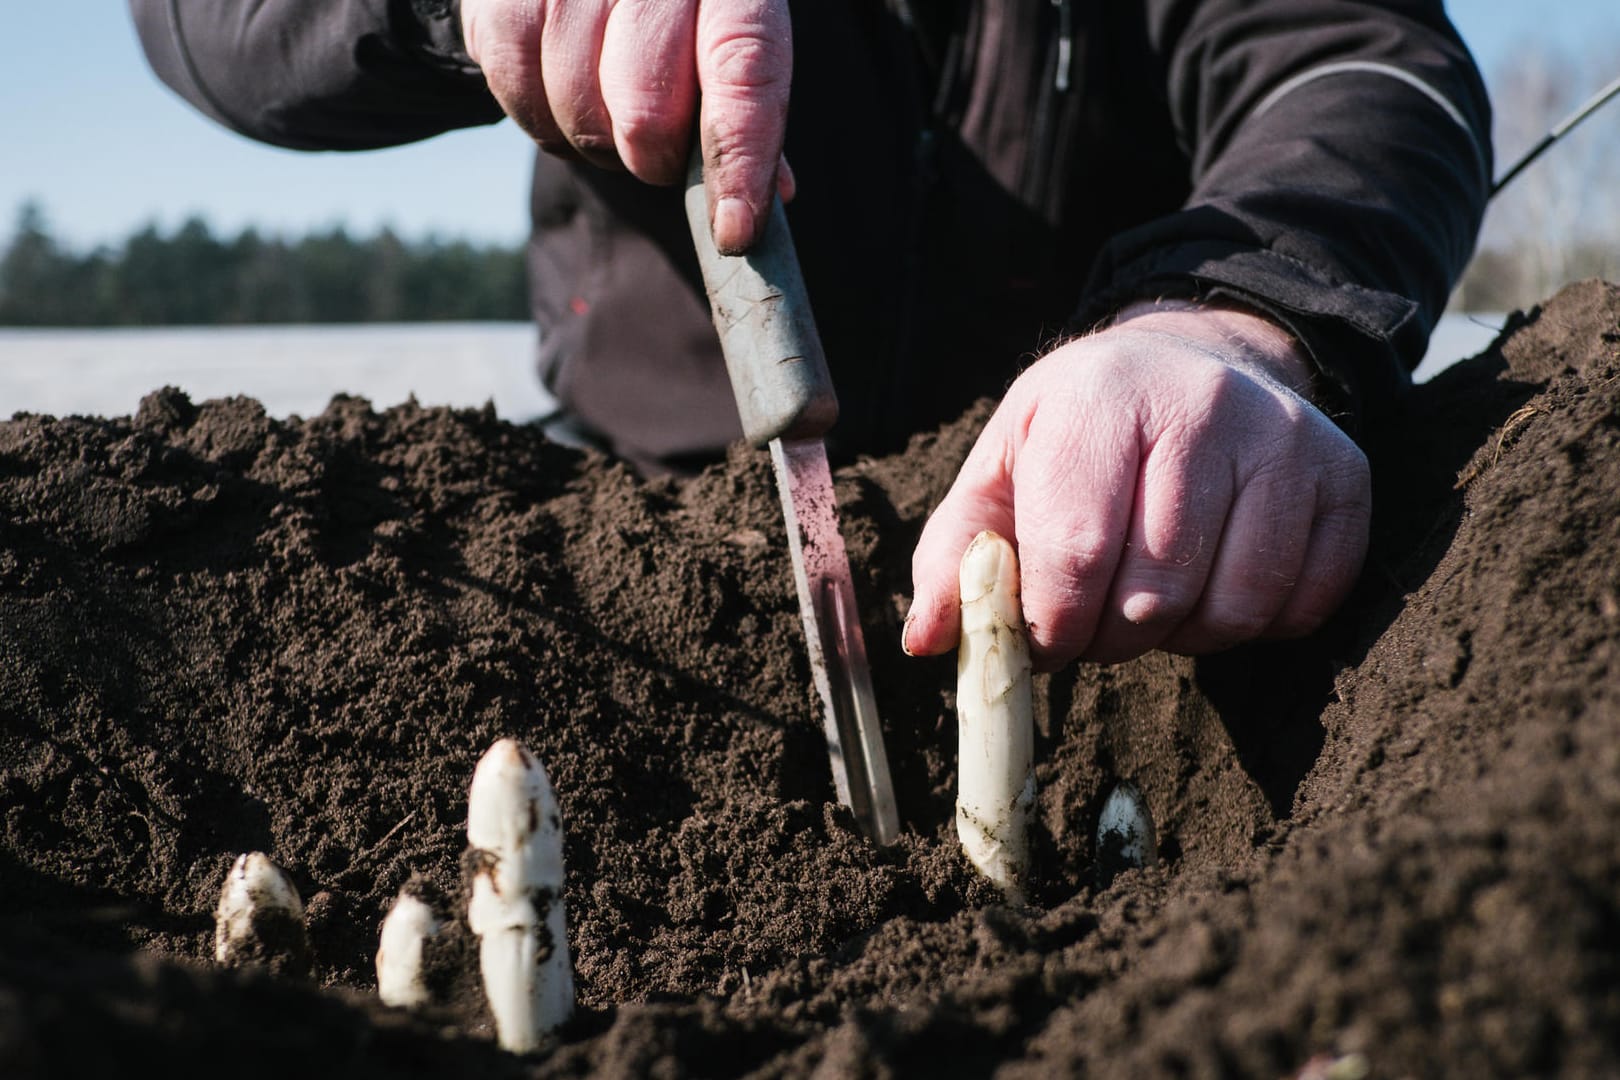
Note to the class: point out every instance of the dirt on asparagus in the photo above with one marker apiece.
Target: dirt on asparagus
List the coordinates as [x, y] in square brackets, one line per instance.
[1391, 846]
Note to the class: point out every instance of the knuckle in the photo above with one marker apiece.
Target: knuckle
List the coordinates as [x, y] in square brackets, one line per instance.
[1341, 540]
[735, 155]
[557, 146]
[1077, 568]
[501, 34]
[592, 144]
[1349, 480]
[1300, 619]
[749, 60]
[1157, 601]
[1056, 641]
[1061, 597]
[1236, 619]
[648, 127]
[1113, 650]
[597, 149]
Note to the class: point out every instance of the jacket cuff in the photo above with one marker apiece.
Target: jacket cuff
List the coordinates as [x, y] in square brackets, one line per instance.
[438, 35]
[1361, 342]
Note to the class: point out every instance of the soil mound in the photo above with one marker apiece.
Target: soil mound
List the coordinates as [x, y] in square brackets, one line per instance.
[227, 633]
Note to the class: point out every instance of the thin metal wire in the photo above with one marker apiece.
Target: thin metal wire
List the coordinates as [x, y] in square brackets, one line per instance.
[1560, 129]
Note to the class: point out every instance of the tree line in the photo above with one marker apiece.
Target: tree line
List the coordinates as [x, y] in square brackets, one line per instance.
[191, 276]
[1559, 221]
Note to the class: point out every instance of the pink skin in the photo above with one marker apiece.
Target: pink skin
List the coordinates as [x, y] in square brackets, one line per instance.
[621, 84]
[1167, 486]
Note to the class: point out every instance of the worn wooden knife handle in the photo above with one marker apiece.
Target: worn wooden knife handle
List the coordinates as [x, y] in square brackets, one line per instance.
[773, 353]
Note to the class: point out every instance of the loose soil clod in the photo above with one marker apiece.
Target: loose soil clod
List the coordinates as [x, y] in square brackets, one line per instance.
[1391, 844]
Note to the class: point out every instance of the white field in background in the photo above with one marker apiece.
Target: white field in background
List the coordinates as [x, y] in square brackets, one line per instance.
[295, 370]
[292, 370]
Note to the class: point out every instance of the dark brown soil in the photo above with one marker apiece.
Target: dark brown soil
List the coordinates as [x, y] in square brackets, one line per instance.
[222, 633]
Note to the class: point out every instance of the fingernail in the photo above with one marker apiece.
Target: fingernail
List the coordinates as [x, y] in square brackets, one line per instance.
[733, 225]
[905, 634]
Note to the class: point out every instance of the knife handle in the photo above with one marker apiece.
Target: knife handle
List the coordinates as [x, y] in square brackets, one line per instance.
[773, 353]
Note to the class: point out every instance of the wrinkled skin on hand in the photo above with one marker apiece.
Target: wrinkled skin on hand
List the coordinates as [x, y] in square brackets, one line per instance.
[1168, 486]
[619, 84]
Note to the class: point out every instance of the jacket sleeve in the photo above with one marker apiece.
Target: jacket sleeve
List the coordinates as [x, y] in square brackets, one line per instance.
[318, 74]
[1341, 163]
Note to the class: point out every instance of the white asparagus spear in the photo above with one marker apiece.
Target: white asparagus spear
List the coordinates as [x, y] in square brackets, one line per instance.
[409, 925]
[515, 861]
[260, 919]
[1125, 834]
[995, 718]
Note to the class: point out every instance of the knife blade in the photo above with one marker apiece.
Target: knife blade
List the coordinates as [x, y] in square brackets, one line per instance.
[786, 400]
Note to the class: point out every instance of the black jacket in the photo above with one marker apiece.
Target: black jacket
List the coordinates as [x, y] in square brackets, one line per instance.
[973, 182]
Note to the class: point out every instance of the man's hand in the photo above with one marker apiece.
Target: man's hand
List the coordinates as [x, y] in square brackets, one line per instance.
[1168, 487]
[617, 82]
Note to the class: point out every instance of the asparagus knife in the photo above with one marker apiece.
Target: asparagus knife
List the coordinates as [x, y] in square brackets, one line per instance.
[786, 400]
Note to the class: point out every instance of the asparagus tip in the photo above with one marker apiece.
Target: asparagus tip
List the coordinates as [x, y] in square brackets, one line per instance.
[260, 918]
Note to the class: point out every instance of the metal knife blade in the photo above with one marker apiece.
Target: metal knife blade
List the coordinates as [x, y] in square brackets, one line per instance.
[785, 399]
[832, 634]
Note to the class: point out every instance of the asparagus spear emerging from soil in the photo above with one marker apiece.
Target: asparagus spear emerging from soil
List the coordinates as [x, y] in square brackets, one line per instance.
[1126, 838]
[515, 863]
[260, 919]
[995, 718]
[410, 924]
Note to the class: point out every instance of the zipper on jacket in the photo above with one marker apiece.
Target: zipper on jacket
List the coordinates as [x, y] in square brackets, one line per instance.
[1065, 45]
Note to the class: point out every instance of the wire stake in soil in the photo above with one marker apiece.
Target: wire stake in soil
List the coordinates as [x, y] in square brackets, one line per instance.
[515, 863]
[995, 717]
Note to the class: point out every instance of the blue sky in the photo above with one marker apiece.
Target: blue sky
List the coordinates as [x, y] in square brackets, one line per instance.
[85, 128]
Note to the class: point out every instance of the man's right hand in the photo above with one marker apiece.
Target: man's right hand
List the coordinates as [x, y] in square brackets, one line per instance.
[618, 83]
[1168, 486]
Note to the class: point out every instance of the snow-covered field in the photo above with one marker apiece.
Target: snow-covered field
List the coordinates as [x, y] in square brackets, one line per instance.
[295, 370]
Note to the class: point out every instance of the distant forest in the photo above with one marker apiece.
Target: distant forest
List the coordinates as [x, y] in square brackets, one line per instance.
[190, 276]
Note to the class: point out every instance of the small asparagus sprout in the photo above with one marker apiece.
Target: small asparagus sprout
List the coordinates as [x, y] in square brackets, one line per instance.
[260, 919]
[407, 929]
[515, 861]
[1126, 839]
[995, 718]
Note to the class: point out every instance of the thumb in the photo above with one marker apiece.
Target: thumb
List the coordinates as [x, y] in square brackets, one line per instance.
[980, 499]
[745, 68]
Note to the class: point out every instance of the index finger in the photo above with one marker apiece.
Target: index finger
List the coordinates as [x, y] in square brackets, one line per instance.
[745, 68]
[1057, 476]
[981, 499]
